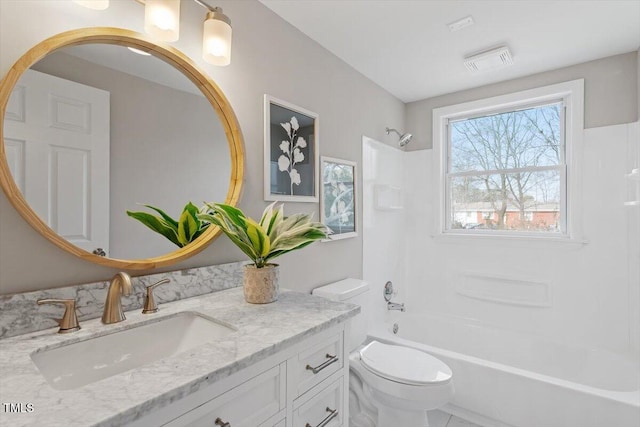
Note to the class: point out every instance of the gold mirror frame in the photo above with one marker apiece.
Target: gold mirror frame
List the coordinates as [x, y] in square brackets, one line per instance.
[210, 90]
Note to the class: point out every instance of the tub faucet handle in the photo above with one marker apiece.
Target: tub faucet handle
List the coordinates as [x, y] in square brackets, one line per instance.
[395, 306]
[150, 305]
[388, 291]
[69, 321]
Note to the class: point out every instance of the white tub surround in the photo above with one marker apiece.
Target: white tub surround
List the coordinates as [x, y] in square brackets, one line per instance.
[537, 333]
[21, 314]
[157, 389]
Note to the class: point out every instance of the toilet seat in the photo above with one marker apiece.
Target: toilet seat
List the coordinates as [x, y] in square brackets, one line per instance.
[403, 364]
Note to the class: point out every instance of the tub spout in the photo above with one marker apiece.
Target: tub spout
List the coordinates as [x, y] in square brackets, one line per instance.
[395, 306]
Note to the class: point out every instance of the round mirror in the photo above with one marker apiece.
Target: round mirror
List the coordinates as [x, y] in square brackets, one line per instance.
[100, 122]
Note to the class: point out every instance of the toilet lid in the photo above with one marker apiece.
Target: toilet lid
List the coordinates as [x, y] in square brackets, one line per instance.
[403, 364]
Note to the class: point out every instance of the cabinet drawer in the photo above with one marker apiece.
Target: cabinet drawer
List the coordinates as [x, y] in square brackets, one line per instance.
[246, 405]
[317, 363]
[322, 409]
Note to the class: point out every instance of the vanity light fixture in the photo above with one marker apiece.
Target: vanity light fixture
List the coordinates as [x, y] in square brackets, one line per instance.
[162, 21]
[216, 37]
[93, 4]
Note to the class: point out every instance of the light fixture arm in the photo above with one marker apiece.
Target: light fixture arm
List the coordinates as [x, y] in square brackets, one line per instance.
[216, 13]
[200, 2]
[209, 8]
[213, 12]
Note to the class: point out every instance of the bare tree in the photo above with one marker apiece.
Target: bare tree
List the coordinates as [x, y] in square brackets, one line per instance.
[546, 121]
[502, 149]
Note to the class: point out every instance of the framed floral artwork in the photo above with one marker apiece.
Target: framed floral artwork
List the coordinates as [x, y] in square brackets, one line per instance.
[290, 152]
[338, 197]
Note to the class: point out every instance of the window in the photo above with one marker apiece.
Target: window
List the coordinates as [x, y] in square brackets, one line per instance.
[507, 164]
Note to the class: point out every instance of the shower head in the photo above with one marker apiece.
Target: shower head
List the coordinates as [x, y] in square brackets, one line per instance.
[404, 137]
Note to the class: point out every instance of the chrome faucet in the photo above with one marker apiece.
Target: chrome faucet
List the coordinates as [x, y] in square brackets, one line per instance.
[395, 306]
[388, 294]
[120, 284]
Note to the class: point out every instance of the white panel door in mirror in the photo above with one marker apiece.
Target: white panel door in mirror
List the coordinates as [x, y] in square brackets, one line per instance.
[62, 162]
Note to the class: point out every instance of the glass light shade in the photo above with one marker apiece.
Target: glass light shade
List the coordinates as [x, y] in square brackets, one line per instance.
[162, 19]
[93, 4]
[216, 41]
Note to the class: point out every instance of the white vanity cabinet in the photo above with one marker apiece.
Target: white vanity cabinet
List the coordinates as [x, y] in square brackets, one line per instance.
[304, 385]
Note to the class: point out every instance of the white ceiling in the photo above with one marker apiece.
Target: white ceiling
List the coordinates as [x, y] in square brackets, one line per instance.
[406, 46]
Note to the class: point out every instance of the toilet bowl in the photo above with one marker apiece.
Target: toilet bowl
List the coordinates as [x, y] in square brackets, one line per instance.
[389, 385]
[401, 382]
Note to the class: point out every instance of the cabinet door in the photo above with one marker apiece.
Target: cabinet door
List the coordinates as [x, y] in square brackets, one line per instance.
[323, 408]
[246, 405]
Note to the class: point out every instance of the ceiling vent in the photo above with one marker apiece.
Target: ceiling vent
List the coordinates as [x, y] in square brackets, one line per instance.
[488, 60]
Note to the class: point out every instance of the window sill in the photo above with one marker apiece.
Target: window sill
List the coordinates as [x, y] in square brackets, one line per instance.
[502, 239]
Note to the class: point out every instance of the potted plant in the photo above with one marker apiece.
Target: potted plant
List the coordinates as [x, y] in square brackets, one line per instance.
[262, 241]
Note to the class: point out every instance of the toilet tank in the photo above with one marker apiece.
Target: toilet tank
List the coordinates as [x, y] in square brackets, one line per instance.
[354, 291]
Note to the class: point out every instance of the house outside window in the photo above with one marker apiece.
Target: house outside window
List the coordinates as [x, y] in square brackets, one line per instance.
[508, 165]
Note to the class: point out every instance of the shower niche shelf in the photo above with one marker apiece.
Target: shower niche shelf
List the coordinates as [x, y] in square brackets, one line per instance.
[514, 291]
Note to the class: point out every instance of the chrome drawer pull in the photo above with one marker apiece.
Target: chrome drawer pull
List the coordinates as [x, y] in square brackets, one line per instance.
[332, 415]
[332, 359]
[221, 423]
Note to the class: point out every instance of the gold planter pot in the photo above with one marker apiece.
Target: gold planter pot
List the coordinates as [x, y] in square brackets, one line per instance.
[261, 284]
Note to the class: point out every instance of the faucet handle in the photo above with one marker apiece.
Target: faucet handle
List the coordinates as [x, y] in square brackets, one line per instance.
[150, 305]
[395, 306]
[69, 321]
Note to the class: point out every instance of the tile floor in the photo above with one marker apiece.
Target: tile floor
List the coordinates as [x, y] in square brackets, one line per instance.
[442, 419]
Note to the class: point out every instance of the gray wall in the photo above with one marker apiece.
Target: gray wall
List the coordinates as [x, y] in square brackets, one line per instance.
[268, 56]
[611, 95]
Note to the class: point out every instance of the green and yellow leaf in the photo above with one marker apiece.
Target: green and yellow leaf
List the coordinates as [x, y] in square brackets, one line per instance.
[158, 225]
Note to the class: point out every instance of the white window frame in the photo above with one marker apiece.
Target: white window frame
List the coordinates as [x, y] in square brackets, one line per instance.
[572, 94]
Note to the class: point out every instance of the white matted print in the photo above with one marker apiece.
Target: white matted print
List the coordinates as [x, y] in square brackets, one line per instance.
[290, 152]
[338, 197]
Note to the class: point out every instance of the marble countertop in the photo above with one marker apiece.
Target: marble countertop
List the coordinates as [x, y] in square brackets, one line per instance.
[262, 330]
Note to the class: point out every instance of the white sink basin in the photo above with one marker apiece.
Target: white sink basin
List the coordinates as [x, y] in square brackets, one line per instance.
[85, 362]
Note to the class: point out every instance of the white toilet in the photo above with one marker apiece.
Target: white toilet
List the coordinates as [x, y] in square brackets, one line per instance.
[389, 385]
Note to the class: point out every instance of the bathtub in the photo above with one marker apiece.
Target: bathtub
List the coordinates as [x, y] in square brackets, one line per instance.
[505, 379]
